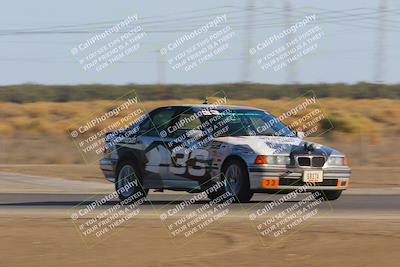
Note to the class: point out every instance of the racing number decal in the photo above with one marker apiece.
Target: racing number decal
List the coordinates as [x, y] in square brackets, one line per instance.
[179, 164]
[199, 157]
[156, 157]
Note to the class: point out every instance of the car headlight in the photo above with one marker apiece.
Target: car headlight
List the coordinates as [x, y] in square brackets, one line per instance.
[337, 161]
[273, 160]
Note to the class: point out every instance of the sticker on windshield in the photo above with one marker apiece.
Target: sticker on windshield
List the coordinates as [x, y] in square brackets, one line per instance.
[210, 112]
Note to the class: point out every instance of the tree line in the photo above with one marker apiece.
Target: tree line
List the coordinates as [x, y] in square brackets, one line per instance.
[26, 93]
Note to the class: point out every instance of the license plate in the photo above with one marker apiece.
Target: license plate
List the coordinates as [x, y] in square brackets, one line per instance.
[313, 176]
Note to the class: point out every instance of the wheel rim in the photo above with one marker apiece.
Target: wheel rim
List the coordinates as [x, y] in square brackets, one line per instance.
[232, 179]
[125, 177]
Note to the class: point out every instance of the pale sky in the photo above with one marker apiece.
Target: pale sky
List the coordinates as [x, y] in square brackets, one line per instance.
[346, 52]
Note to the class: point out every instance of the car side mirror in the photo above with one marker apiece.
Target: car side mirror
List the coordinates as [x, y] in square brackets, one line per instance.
[300, 135]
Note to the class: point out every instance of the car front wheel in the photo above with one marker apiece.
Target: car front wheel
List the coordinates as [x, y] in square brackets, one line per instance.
[236, 180]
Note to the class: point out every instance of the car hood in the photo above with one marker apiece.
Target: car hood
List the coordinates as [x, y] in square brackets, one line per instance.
[274, 145]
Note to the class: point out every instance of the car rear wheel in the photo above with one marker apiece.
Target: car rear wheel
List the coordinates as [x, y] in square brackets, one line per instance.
[236, 180]
[128, 182]
[331, 194]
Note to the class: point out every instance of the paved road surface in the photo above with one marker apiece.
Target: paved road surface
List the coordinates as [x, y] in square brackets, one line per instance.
[54, 197]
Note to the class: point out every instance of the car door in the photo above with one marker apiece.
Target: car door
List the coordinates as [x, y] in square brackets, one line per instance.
[157, 157]
[190, 162]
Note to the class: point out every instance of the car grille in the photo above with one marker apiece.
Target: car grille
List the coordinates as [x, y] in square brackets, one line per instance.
[308, 161]
[299, 182]
[304, 161]
[318, 161]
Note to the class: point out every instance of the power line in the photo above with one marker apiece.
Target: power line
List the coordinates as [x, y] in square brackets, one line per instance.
[342, 19]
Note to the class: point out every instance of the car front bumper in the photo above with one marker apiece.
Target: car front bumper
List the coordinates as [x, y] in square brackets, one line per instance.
[263, 177]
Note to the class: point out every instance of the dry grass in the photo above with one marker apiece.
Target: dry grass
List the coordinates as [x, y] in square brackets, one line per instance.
[38, 132]
[349, 116]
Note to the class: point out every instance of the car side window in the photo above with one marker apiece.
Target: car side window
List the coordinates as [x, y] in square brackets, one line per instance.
[157, 121]
[187, 121]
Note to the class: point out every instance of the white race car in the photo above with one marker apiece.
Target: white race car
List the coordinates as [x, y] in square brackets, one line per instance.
[193, 147]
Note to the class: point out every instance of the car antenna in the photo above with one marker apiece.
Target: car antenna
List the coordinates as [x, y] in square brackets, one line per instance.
[205, 101]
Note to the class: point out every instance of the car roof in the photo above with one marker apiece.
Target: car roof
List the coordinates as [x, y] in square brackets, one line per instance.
[210, 106]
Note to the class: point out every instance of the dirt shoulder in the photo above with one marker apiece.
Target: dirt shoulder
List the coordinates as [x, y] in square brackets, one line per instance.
[80, 172]
[325, 242]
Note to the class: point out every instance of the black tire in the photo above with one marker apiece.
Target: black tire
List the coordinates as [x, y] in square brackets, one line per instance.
[241, 189]
[330, 195]
[133, 182]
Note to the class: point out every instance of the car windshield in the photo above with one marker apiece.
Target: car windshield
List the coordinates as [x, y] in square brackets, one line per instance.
[246, 123]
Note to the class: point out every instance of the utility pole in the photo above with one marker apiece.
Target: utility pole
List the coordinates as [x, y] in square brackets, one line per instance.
[160, 68]
[246, 68]
[380, 44]
[161, 75]
[291, 69]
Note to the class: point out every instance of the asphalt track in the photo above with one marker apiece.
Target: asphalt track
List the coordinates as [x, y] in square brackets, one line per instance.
[353, 202]
[36, 216]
